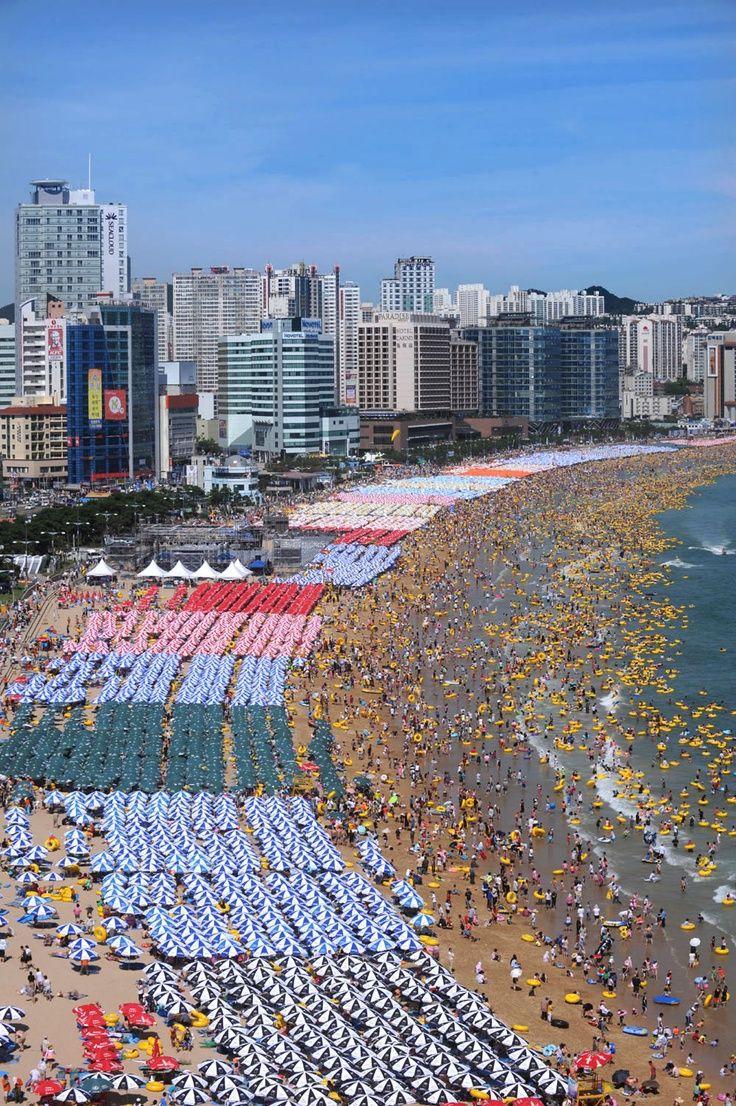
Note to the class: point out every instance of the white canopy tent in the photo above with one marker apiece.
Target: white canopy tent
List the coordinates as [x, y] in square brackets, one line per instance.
[151, 572]
[101, 571]
[235, 571]
[179, 572]
[206, 572]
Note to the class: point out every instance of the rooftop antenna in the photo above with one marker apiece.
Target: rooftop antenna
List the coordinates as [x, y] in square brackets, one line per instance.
[89, 172]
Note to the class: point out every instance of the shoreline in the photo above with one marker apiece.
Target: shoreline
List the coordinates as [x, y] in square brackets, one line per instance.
[562, 827]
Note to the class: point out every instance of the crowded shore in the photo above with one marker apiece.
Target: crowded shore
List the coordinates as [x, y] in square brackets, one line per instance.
[427, 721]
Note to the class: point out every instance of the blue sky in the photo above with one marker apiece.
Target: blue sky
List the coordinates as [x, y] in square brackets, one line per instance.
[552, 146]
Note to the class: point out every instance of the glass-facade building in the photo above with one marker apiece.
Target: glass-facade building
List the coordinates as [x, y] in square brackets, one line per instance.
[120, 344]
[274, 385]
[590, 371]
[547, 374]
[520, 369]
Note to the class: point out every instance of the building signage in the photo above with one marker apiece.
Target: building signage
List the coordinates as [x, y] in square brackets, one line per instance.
[55, 340]
[94, 398]
[116, 404]
[113, 247]
[311, 326]
[712, 361]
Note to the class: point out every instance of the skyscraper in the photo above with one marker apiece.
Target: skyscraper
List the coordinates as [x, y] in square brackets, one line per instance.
[275, 385]
[590, 370]
[412, 286]
[652, 344]
[472, 303]
[520, 369]
[404, 363]
[112, 395]
[350, 316]
[209, 304]
[157, 296]
[41, 353]
[70, 246]
[7, 362]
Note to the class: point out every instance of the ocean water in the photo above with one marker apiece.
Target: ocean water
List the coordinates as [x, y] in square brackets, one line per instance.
[702, 579]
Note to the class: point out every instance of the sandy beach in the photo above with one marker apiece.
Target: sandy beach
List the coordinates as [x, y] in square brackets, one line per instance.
[473, 692]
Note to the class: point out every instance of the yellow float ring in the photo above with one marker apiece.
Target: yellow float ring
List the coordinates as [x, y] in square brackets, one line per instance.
[572, 998]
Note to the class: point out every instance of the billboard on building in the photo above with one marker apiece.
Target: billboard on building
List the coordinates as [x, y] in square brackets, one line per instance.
[113, 247]
[116, 404]
[94, 398]
[712, 361]
[55, 340]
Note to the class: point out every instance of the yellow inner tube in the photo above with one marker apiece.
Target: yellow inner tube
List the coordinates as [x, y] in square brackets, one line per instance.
[573, 998]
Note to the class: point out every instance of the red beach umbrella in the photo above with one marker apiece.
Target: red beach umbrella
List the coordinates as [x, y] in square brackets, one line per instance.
[591, 1061]
[47, 1088]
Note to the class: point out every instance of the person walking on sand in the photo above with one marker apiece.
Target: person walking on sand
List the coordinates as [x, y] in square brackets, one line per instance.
[515, 973]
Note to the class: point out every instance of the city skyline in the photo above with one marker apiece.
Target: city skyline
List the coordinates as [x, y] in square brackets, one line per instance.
[512, 147]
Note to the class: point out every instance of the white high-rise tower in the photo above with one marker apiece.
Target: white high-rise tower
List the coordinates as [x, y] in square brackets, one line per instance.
[69, 246]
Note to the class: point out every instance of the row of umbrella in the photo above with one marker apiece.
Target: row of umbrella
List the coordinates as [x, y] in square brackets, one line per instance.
[377, 1029]
[351, 566]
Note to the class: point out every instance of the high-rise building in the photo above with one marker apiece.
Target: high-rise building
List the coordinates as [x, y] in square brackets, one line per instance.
[7, 362]
[695, 355]
[472, 303]
[719, 387]
[411, 288]
[70, 246]
[464, 376]
[404, 362]
[209, 304]
[569, 303]
[520, 369]
[350, 317]
[590, 370]
[652, 344]
[157, 296]
[297, 292]
[112, 395]
[41, 353]
[276, 386]
[546, 307]
[177, 417]
[442, 301]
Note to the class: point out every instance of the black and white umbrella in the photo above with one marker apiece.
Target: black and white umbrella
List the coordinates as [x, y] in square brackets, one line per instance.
[269, 1090]
[313, 1096]
[128, 1082]
[11, 1014]
[72, 1094]
[189, 1096]
[214, 1069]
[188, 1079]
[233, 1096]
[224, 1084]
[397, 1097]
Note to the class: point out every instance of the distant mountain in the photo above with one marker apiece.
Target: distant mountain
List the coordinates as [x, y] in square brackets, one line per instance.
[615, 305]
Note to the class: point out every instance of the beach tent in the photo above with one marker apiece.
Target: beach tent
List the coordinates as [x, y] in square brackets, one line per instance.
[153, 571]
[101, 571]
[235, 571]
[206, 572]
[179, 572]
